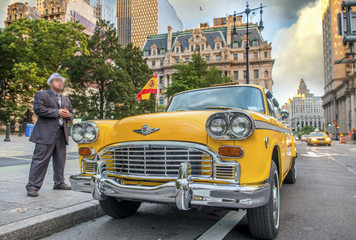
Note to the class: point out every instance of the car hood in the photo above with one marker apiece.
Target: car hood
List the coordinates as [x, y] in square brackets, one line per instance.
[173, 126]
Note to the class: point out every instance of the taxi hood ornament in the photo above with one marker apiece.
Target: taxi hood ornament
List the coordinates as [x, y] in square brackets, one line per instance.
[145, 130]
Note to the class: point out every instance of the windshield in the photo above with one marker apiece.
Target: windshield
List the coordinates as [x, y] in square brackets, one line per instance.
[247, 98]
[317, 134]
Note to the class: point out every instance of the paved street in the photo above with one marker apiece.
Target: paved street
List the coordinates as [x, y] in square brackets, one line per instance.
[321, 205]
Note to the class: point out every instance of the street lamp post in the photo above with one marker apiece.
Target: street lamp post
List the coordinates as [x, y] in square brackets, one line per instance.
[248, 11]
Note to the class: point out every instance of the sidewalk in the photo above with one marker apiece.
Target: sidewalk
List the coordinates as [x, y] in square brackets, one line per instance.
[22, 217]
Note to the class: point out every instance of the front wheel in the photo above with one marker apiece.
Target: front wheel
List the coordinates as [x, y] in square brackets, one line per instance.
[119, 209]
[263, 221]
[292, 174]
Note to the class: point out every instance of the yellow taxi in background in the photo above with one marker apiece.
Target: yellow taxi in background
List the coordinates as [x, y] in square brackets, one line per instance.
[304, 138]
[319, 138]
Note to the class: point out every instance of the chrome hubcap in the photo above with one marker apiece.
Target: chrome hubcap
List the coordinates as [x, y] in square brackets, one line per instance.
[275, 200]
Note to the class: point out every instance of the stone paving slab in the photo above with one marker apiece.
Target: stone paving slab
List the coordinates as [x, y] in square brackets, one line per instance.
[54, 207]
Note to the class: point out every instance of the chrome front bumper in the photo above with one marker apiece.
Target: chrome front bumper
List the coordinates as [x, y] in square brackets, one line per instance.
[183, 191]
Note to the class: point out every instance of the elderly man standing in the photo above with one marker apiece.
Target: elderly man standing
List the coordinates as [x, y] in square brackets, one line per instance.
[50, 134]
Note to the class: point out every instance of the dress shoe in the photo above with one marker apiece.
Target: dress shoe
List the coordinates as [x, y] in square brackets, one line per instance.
[63, 186]
[32, 193]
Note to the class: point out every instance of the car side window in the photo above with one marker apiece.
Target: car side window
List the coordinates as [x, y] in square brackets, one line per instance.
[271, 108]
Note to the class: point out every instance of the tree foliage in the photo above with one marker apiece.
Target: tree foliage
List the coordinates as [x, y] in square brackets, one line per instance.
[34, 49]
[194, 74]
[106, 81]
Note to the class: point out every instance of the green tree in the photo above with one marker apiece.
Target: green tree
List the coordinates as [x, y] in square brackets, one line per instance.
[39, 47]
[106, 81]
[134, 76]
[306, 130]
[194, 74]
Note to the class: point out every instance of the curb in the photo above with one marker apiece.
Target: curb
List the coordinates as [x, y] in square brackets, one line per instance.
[49, 223]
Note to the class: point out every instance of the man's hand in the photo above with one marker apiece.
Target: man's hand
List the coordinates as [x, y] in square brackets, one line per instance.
[64, 113]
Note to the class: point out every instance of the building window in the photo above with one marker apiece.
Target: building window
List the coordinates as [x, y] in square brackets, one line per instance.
[15, 16]
[163, 51]
[154, 51]
[236, 75]
[245, 74]
[192, 48]
[245, 55]
[187, 59]
[161, 80]
[255, 43]
[161, 62]
[161, 101]
[207, 58]
[197, 48]
[256, 73]
[177, 60]
[167, 80]
[202, 47]
[153, 63]
[266, 74]
[20, 15]
[266, 54]
[235, 44]
[235, 56]
[58, 9]
[255, 55]
[218, 57]
[177, 49]
[46, 11]
[218, 46]
[52, 10]
[146, 53]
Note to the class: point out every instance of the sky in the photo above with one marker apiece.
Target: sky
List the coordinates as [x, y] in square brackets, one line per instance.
[293, 26]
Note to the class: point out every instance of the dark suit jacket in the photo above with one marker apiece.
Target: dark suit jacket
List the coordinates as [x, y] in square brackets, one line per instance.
[46, 107]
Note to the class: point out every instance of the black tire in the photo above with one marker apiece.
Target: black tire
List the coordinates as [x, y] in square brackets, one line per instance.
[261, 220]
[119, 209]
[292, 175]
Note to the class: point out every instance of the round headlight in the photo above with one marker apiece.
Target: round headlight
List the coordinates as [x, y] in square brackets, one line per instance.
[77, 132]
[241, 126]
[90, 133]
[218, 126]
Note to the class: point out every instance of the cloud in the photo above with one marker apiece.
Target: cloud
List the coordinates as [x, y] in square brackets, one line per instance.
[298, 51]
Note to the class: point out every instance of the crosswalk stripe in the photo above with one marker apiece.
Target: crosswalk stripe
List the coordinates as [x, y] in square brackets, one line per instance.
[223, 226]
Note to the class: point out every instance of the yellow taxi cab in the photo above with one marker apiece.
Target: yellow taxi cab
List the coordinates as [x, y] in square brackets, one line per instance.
[319, 138]
[304, 138]
[224, 146]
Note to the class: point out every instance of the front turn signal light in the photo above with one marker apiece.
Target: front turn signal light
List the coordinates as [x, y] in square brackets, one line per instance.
[231, 151]
[86, 151]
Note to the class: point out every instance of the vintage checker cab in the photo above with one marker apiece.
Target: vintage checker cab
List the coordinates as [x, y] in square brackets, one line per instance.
[224, 146]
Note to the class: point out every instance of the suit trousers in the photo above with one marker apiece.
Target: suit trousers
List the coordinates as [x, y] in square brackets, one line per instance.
[40, 160]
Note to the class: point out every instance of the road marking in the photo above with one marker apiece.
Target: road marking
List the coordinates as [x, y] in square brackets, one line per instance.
[223, 226]
[343, 165]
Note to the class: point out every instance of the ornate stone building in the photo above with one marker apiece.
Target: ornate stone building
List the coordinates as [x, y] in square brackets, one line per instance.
[305, 109]
[339, 101]
[219, 48]
[18, 11]
[67, 11]
[137, 19]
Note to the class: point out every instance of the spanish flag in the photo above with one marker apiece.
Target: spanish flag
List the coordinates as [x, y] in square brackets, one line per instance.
[151, 87]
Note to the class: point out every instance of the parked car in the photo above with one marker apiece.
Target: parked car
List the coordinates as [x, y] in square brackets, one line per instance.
[221, 146]
[319, 138]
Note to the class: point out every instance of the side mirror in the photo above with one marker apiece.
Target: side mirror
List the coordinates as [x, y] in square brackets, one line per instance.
[284, 114]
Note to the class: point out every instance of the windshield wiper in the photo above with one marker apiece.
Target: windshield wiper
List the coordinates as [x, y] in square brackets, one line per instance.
[222, 107]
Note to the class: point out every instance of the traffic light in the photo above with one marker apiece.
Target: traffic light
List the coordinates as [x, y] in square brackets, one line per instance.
[329, 124]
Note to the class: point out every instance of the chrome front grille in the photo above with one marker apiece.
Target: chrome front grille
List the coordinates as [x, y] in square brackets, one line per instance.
[156, 160]
[88, 166]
